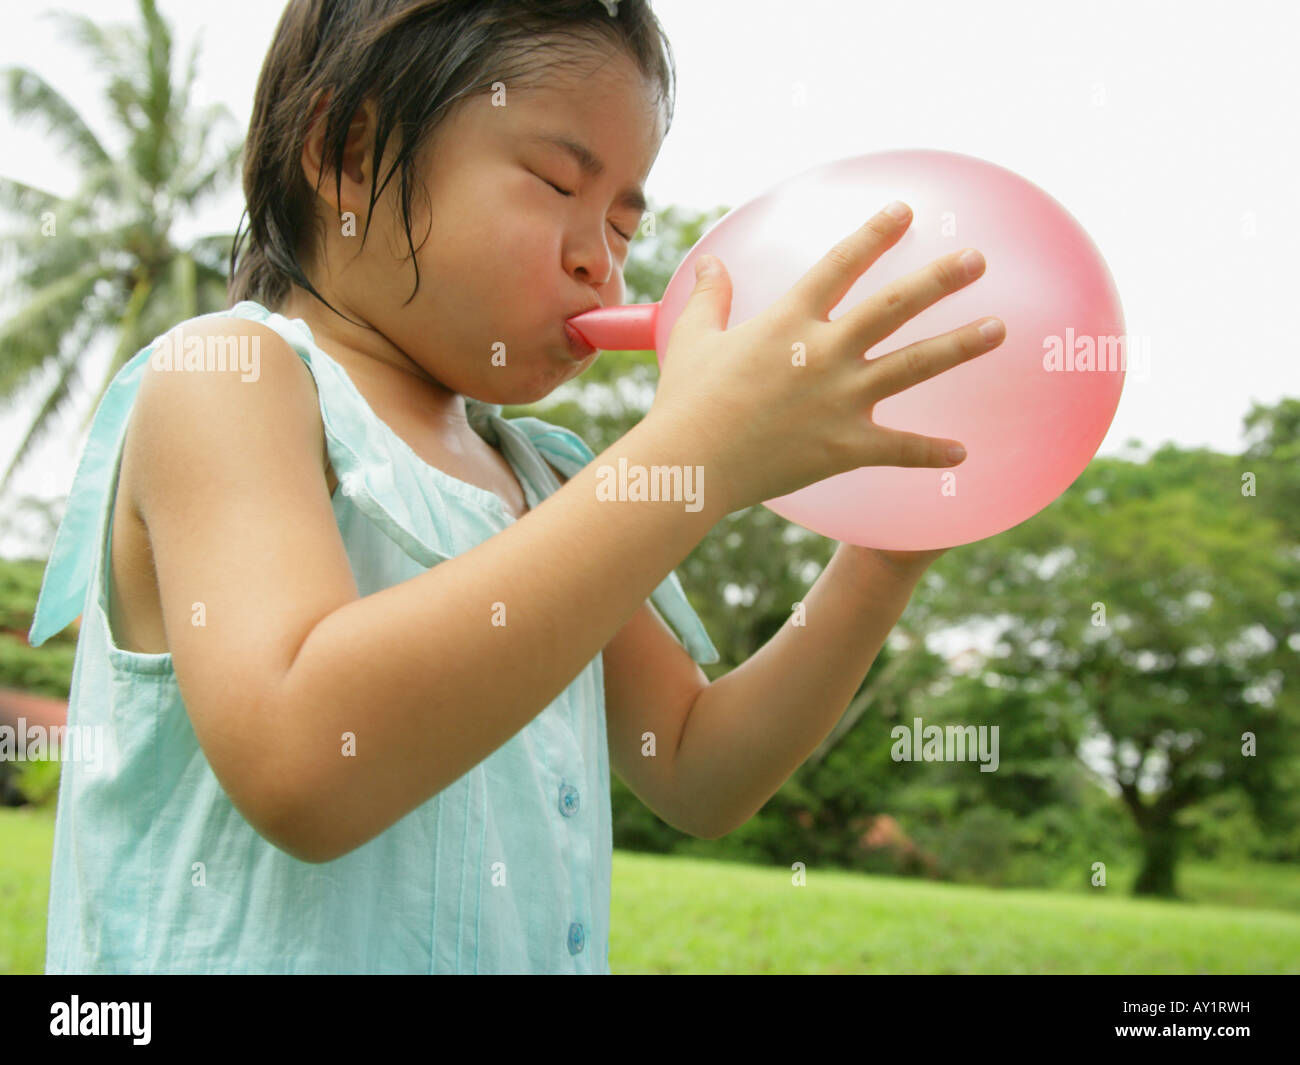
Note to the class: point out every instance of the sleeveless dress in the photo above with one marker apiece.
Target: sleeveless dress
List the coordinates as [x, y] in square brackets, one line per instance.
[155, 871]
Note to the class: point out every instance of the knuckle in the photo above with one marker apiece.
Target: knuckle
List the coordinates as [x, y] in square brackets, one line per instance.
[949, 272]
[880, 226]
[918, 451]
[892, 297]
[840, 256]
[913, 361]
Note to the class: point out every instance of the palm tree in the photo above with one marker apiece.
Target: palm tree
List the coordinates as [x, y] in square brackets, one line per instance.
[103, 259]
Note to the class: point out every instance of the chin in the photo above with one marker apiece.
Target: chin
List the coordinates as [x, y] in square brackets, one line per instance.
[536, 387]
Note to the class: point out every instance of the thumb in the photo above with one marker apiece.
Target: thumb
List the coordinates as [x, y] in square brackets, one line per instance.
[709, 305]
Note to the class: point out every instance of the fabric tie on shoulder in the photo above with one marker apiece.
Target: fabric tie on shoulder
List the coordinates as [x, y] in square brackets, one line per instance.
[72, 561]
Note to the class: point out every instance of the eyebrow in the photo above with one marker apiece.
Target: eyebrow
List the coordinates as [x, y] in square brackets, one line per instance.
[592, 165]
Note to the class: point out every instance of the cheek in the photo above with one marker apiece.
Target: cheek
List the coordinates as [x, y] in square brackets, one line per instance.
[523, 233]
[614, 294]
[485, 223]
[477, 254]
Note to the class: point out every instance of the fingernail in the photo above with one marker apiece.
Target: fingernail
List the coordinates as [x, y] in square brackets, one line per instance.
[972, 260]
[898, 209]
[956, 453]
[703, 266]
[991, 330]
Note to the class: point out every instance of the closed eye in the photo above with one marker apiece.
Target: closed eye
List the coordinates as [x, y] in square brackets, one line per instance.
[566, 192]
[562, 192]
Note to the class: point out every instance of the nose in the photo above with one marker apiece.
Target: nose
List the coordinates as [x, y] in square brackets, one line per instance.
[588, 258]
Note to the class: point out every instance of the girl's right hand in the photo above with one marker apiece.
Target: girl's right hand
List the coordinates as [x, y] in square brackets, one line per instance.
[770, 423]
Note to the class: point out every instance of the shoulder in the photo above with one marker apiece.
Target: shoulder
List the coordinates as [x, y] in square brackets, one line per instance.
[222, 355]
[225, 383]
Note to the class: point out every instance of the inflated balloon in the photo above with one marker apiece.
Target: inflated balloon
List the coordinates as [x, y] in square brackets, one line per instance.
[1031, 413]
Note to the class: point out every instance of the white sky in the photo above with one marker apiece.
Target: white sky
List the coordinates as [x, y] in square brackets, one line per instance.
[1167, 129]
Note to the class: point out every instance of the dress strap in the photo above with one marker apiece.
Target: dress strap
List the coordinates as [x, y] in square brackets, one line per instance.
[66, 583]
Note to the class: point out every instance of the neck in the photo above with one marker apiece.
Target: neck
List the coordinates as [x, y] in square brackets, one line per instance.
[370, 358]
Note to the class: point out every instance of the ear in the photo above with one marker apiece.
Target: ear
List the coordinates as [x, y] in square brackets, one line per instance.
[354, 192]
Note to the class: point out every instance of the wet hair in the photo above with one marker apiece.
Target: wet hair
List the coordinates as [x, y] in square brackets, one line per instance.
[417, 59]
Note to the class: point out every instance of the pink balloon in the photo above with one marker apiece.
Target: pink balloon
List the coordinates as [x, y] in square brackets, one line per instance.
[1031, 413]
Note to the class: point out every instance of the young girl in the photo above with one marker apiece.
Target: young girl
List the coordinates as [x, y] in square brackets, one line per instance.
[361, 652]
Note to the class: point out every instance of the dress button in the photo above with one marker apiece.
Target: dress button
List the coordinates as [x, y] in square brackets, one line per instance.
[576, 938]
[568, 800]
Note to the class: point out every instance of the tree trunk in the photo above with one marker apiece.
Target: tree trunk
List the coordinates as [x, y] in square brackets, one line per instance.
[1159, 859]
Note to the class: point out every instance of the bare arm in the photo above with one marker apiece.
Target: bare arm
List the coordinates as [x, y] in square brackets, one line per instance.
[749, 730]
[291, 658]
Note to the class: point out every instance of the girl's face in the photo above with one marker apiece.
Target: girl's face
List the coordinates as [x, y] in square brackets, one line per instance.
[508, 257]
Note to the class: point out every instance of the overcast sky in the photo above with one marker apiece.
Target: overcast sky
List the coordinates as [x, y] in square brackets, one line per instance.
[1167, 129]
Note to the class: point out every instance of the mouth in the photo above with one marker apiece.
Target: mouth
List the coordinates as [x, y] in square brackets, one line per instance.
[578, 346]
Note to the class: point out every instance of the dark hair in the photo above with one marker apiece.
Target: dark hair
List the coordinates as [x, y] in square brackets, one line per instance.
[417, 59]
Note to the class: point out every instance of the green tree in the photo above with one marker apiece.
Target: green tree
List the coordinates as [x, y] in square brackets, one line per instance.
[104, 260]
[1148, 610]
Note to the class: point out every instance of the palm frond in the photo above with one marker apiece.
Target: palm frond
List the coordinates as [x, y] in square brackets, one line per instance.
[32, 336]
[20, 198]
[212, 286]
[111, 45]
[114, 265]
[129, 342]
[160, 140]
[212, 251]
[119, 185]
[46, 261]
[191, 74]
[185, 293]
[194, 189]
[29, 96]
[124, 95]
[67, 373]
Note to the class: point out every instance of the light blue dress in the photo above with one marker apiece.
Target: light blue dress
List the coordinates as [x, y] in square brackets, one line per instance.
[155, 871]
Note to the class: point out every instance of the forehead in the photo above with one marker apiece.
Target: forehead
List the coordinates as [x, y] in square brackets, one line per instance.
[602, 101]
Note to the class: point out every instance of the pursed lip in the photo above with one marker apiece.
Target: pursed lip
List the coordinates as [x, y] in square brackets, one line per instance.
[578, 346]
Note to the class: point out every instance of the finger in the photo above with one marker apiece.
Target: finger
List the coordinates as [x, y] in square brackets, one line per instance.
[709, 306]
[831, 277]
[928, 358]
[912, 449]
[867, 323]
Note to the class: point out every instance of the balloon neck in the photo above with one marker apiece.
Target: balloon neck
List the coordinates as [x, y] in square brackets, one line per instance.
[627, 328]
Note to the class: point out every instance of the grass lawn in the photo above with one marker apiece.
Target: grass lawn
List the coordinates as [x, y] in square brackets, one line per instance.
[26, 839]
[681, 915]
[686, 915]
